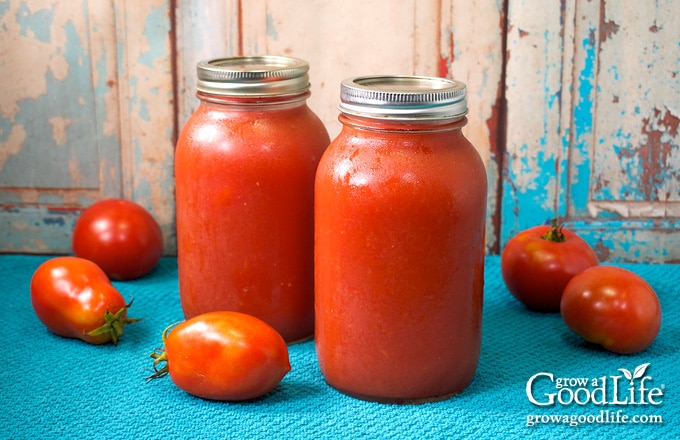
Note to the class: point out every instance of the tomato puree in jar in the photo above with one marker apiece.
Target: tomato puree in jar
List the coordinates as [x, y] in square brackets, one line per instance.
[245, 165]
[399, 227]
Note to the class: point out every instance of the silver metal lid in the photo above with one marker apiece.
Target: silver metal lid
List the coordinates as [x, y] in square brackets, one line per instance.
[403, 97]
[264, 75]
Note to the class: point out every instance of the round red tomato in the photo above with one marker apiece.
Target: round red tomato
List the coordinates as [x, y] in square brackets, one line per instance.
[74, 298]
[223, 355]
[120, 236]
[613, 307]
[537, 264]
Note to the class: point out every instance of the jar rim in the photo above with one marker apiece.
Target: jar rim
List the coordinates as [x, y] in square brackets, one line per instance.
[403, 97]
[258, 75]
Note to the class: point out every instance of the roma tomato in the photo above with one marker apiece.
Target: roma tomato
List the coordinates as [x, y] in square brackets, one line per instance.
[538, 262]
[613, 307]
[74, 298]
[223, 355]
[120, 236]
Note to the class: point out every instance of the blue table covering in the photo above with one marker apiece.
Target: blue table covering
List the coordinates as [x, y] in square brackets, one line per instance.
[54, 387]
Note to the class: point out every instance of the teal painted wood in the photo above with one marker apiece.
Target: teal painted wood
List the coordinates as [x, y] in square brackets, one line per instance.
[624, 167]
[52, 130]
[606, 157]
[534, 156]
[144, 48]
[89, 115]
[592, 131]
[57, 150]
[38, 229]
[148, 126]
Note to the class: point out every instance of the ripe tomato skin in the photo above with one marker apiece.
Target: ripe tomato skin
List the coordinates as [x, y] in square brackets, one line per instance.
[613, 307]
[120, 236]
[536, 269]
[74, 298]
[226, 355]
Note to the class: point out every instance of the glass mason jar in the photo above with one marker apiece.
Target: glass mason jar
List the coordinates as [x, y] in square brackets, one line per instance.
[244, 170]
[400, 208]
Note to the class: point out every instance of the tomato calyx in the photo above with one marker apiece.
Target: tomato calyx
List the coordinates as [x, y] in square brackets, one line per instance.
[555, 233]
[114, 324]
[159, 355]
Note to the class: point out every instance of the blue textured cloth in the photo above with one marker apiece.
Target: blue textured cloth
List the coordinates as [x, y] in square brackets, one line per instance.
[54, 387]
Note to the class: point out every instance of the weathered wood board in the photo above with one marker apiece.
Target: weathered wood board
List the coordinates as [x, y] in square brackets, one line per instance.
[593, 93]
[574, 105]
[85, 113]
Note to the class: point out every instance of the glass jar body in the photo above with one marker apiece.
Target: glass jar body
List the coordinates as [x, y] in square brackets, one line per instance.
[399, 246]
[244, 171]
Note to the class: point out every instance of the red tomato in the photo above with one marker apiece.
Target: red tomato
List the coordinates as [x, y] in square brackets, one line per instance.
[74, 298]
[612, 307]
[223, 355]
[538, 263]
[120, 236]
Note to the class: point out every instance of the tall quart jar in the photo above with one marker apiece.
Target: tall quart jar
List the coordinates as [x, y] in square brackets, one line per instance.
[244, 171]
[399, 229]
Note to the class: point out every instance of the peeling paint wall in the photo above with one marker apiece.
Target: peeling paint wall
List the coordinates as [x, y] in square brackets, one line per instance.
[635, 136]
[534, 94]
[574, 105]
[593, 91]
[46, 55]
[471, 50]
[85, 114]
[628, 147]
[130, 86]
[147, 108]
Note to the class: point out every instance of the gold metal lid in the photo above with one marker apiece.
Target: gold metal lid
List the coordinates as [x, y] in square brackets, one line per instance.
[264, 75]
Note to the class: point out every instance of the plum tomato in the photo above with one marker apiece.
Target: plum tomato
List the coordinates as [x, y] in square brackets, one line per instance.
[223, 355]
[612, 307]
[120, 236]
[538, 262]
[74, 298]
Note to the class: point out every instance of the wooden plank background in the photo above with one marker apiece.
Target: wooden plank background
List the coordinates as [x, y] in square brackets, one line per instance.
[87, 113]
[592, 91]
[573, 104]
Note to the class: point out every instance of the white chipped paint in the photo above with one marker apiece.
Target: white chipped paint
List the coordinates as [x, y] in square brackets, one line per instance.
[12, 145]
[104, 61]
[219, 37]
[649, 210]
[147, 128]
[641, 92]
[534, 71]
[59, 126]
[615, 159]
[573, 140]
[43, 46]
[476, 58]
[127, 47]
[28, 77]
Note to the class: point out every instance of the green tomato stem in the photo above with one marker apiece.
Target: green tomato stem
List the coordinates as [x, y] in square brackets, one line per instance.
[555, 233]
[114, 324]
[160, 355]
